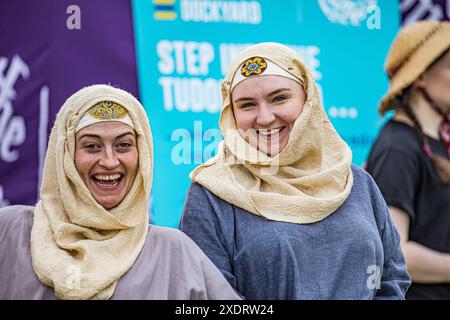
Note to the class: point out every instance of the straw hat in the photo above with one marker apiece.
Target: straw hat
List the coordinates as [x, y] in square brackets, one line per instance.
[414, 49]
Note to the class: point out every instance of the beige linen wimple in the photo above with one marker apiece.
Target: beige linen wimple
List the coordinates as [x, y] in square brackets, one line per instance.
[78, 247]
[306, 182]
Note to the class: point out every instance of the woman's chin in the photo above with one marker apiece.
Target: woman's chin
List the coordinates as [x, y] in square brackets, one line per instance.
[272, 150]
[109, 203]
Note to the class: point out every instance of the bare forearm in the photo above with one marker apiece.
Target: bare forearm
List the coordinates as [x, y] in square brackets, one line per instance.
[426, 265]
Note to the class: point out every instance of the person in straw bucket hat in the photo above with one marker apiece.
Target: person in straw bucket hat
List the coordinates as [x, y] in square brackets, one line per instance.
[89, 237]
[410, 158]
[281, 210]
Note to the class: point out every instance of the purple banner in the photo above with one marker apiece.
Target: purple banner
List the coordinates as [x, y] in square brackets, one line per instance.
[414, 10]
[48, 50]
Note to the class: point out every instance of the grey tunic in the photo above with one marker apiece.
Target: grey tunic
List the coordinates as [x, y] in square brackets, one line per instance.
[170, 266]
[352, 254]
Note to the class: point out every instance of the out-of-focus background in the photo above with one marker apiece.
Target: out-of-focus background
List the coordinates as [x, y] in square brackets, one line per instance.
[172, 55]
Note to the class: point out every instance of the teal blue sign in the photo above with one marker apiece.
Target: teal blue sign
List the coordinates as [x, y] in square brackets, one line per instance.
[184, 48]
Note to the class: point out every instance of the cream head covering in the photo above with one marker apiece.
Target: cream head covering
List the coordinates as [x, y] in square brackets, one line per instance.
[413, 50]
[307, 181]
[78, 247]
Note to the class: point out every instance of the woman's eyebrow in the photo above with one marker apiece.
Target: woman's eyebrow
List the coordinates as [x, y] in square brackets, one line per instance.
[125, 134]
[89, 135]
[96, 136]
[243, 99]
[270, 94]
[278, 91]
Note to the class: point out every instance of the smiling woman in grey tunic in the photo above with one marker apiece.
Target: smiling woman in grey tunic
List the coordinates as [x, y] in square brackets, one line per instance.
[89, 235]
[281, 210]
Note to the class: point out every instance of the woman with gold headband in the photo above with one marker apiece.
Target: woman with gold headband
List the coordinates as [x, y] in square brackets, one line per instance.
[410, 158]
[281, 210]
[89, 235]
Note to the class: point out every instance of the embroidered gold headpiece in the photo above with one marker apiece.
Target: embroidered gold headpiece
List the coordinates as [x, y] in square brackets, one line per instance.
[258, 66]
[104, 111]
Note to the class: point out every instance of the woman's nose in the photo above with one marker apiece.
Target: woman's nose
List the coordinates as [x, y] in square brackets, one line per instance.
[109, 159]
[265, 115]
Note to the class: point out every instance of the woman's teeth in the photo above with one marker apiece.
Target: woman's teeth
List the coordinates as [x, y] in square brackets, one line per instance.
[268, 132]
[108, 178]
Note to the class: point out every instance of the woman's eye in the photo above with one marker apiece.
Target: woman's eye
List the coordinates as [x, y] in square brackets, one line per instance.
[92, 147]
[247, 105]
[279, 98]
[124, 146]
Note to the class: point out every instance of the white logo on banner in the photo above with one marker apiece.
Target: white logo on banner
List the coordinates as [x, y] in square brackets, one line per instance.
[12, 128]
[43, 123]
[346, 12]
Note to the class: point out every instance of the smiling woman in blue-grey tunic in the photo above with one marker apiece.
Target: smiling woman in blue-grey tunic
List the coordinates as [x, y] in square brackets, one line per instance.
[89, 236]
[280, 209]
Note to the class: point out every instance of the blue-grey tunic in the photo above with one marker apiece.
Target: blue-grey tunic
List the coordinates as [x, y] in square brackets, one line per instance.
[352, 254]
